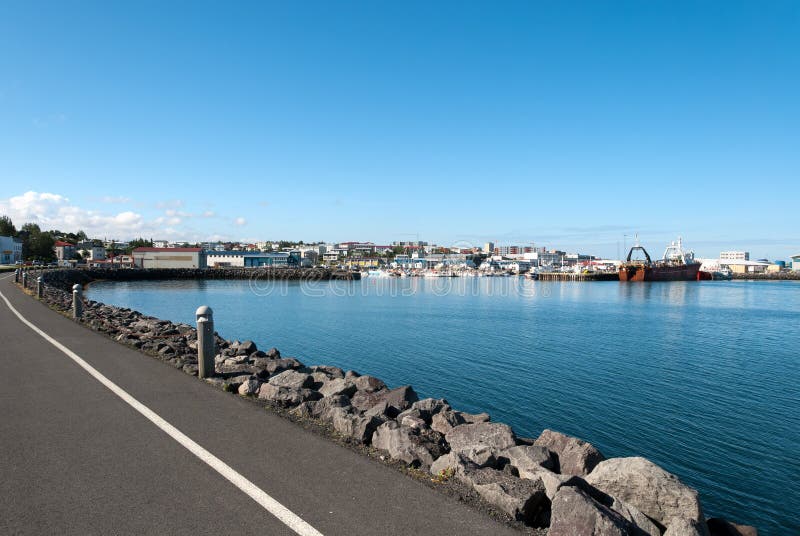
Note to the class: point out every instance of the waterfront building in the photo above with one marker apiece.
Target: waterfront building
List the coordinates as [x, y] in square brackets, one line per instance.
[796, 262]
[734, 256]
[90, 252]
[512, 250]
[169, 258]
[540, 257]
[10, 250]
[251, 259]
[64, 250]
[488, 248]
[740, 266]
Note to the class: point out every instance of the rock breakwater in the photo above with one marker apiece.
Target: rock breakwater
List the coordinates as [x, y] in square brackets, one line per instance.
[65, 278]
[555, 482]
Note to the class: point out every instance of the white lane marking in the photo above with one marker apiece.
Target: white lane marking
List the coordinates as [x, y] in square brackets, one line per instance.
[286, 516]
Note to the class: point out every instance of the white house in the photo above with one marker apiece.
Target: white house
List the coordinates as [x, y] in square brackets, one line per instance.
[796, 263]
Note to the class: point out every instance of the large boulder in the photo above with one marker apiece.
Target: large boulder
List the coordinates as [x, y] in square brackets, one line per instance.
[286, 396]
[680, 526]
[453, 463]
[574, 513]
[369, 384]
[528, 459]
[331, 372]
[246, 348]
[524, 500]
[356, 427]
[250, 386]
[292, 380]
[322, 409]
[415, 447]
[660, 495]
[338, 386]
[469, 438]
[428, 407]
[276, 366]
[445, 421]
[575, 456]
[643, 524]
[395, 400]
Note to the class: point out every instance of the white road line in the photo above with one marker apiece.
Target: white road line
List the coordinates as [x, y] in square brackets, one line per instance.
[286, 516]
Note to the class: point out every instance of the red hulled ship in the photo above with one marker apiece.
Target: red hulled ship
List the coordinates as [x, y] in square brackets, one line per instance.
[676, 265]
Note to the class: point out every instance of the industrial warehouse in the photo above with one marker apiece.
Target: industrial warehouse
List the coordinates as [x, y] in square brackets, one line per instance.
[146, 257]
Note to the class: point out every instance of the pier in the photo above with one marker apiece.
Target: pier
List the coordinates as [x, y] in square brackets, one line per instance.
[572, 276]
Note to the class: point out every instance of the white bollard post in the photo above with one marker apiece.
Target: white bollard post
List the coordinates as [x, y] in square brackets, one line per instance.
[77, 302]
[24, 279]
[206, 347]
[39, 287]
[16, 275]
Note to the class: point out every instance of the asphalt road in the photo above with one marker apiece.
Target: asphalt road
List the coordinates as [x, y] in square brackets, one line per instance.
[77, 459]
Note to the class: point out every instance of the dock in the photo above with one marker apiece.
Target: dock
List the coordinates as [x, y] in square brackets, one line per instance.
[572, 276]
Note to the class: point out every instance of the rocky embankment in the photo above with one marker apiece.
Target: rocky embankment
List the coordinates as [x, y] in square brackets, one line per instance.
[554, 481]
[65, 278]
[773, 276]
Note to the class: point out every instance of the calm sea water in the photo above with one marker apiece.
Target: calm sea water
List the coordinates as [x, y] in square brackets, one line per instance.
[702, 378]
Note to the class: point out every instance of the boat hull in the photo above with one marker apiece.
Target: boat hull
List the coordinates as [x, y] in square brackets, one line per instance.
[642, 272]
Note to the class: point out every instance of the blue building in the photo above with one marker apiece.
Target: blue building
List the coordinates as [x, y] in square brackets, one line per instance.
[10, 250]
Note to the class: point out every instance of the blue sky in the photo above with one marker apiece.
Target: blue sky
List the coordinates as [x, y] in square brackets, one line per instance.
[563, 123]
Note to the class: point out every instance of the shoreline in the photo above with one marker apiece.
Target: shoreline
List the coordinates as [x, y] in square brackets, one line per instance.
[524, 479]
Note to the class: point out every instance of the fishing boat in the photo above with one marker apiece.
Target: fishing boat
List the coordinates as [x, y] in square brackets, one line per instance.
[677, 265]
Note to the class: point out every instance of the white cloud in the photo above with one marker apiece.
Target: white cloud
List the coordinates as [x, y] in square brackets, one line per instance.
[54, 211]
[114, 200]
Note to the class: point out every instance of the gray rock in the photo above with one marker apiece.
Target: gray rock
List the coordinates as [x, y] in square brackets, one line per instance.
[338, 386]
[396, 400]
[369, 384]
[553, 481]
[476, 418]
[250, 387]
[292, 380]
[574, 513]
[286, 396]
[524, 500]
[304, 410]
[639, 482]
[408, 445]
[445, 421]
[679, 526]
[454, 462]
[636, 518]
[575, 456]
[428, 407]
[528, 459]
[412, 421]
[246, 348]
[276, 366]
[355, 427]
[273, 353]
[332, 372]
[468, 437]
[321, 409]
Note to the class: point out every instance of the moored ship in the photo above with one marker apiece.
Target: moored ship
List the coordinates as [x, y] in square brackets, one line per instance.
[677, 265]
